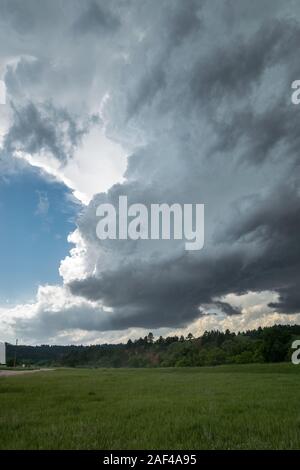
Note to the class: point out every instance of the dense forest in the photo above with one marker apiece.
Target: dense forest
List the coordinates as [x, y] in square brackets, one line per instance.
[271, 344]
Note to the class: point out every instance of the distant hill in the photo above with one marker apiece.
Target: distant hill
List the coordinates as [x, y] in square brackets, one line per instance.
[271, 344]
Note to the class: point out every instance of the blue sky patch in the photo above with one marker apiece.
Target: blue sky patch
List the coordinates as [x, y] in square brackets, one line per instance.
[36, 214]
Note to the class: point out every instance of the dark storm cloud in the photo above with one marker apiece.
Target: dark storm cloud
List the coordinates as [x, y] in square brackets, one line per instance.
[96, 18]
[262, 132]
[166, 294]
[271, 219]
[43, 128]
[255, 248]
[227, 308]
[170, 293]
[180, 22]
[161, 297]
[239, 66]
[289, 298]
[149, 85]
[48, 323]
[185, 20]
[272, 225]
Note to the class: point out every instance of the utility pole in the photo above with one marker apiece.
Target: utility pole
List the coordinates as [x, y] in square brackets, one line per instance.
[15, 358]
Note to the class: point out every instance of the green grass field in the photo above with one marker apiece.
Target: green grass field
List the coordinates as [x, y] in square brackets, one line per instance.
[225, 407]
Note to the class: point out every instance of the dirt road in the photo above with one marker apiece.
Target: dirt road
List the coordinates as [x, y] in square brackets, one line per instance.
[8, 373]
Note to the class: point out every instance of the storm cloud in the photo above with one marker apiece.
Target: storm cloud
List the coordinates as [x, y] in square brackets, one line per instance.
[199, 96]
[44, 129]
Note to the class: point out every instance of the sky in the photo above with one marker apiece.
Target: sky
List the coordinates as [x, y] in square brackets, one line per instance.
[37, 216]
[160, 101]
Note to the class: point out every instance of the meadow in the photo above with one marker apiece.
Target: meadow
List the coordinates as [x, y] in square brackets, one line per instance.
[224, 407]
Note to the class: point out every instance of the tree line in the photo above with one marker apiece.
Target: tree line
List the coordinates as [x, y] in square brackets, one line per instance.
[270, 344]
